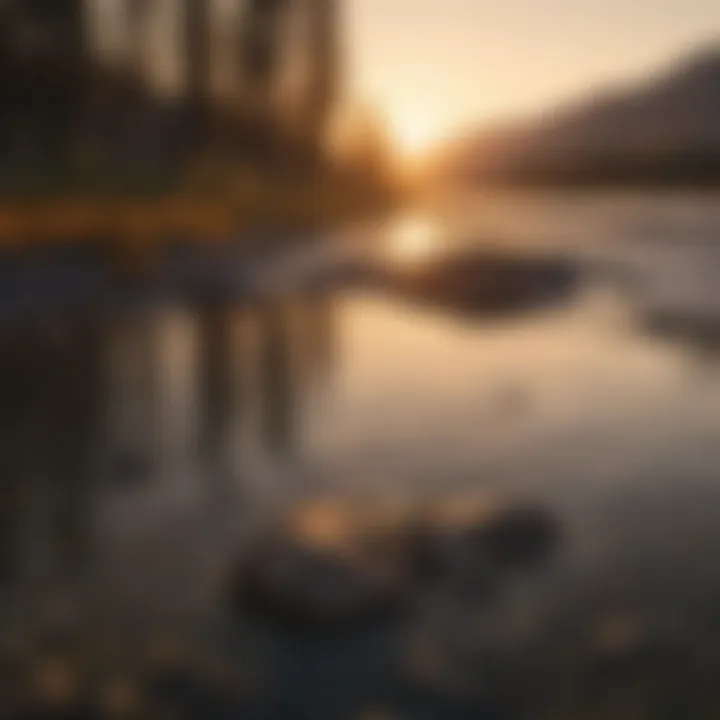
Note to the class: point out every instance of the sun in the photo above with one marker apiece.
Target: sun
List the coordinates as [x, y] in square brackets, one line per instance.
[414, 134]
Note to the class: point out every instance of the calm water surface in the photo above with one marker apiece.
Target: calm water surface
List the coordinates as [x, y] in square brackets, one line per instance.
[588, 409]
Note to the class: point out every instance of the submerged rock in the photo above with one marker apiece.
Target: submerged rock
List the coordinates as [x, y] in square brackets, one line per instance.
[473, 540]
[331, 565]
[521, 536]
[325, 567]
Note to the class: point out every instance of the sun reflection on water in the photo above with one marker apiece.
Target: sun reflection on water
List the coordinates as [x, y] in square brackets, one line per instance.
[413, 238]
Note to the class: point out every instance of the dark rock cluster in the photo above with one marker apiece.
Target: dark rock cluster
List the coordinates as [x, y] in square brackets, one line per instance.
[330, 566]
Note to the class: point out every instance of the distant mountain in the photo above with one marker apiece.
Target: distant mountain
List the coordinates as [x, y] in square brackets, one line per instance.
[664, 131]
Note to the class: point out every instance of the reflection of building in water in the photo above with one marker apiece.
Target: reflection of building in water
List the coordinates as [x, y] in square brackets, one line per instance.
[258, 365]
[321, 335]
[246, 377]
[134, 372]
[49, 434]
[217, 397]
[310, 320]
[95, 83]
[112, 389]
[279, 388]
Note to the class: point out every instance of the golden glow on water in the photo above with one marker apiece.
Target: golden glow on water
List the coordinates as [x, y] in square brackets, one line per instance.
[413, 238]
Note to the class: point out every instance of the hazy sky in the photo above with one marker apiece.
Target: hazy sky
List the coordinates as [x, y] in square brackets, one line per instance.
[436, 65]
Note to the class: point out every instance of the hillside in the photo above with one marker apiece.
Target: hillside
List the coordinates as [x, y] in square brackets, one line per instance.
[666, 130]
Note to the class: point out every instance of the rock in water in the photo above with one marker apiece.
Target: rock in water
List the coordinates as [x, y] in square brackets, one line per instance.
[521, 536]
[323, 569]
[336, 566]
[471, 540]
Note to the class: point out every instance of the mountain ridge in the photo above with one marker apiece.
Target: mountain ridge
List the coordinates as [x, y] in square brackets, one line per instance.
[665, 129]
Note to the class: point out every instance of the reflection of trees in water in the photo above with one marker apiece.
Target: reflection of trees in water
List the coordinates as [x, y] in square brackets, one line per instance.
[51, 406]
[315, 317]
[258, 365]
[78, 390]
[324, 335]
[216, 396]
[277, 384]
[133, 374]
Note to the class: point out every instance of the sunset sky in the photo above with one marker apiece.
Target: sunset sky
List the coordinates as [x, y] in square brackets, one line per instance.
[434, 66]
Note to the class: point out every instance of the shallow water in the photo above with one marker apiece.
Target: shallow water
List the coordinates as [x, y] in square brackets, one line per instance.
[610, 425]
